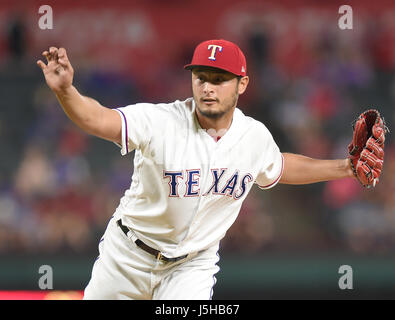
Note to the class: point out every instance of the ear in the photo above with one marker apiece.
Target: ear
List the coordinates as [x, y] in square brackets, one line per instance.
[243, 83]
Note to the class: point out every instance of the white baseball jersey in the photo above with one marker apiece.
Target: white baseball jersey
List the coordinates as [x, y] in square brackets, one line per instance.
[187, 189]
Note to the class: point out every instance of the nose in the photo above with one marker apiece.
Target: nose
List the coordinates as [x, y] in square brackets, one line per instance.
[208, 88]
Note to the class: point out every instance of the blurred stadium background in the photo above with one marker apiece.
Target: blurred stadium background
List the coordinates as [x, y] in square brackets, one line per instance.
[308, 81]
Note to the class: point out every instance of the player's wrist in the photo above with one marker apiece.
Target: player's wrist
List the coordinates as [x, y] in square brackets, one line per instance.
[64, 91]
[348, 168]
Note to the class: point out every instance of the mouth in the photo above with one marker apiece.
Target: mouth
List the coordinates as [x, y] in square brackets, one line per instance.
[209, 101]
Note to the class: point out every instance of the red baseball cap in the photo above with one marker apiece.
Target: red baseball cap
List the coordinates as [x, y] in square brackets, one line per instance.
[221, 54]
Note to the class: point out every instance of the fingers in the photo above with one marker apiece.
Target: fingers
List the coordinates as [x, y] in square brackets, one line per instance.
[51, 54]
[370, 163]
[41, 64]
[46, 55]
[379, 133]
[367, 176]
[58, 59]
[62, 58]
[53, 51]
[371, 159]
[374, 147]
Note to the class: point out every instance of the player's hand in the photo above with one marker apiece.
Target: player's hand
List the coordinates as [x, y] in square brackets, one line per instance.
[58, 71]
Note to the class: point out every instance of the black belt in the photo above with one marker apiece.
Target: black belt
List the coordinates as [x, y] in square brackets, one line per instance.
[158, 255]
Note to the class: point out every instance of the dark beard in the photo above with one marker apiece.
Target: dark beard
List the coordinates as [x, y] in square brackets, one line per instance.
[217, 115]
[211, 115]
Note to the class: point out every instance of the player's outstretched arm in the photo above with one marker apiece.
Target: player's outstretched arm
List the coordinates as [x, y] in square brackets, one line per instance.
[299, 169]
[85, 112]
[364, 162]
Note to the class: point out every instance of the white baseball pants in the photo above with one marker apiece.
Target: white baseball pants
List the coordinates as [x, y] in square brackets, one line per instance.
[125, 271]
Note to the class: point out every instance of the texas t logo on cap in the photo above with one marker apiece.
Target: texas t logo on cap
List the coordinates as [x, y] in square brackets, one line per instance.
[221, 54]
[213, 48]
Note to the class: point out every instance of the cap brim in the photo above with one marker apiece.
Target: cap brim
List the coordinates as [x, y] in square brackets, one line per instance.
[189, 66]
[192, 66]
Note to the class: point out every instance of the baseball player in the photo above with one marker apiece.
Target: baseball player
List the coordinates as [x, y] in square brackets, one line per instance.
[195, 162]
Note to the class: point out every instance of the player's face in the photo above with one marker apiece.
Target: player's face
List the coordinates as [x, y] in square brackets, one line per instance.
[215, 91]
